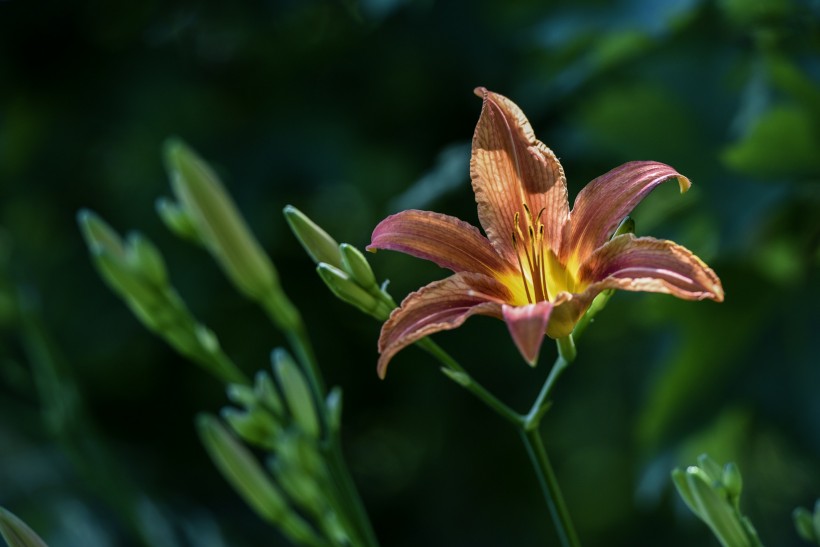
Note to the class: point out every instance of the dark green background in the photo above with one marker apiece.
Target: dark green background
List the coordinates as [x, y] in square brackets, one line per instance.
[351, 110]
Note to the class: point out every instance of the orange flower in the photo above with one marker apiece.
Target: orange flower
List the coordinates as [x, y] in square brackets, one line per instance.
[540, 265]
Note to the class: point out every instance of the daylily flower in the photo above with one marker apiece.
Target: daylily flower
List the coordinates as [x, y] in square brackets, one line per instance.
[540, 265]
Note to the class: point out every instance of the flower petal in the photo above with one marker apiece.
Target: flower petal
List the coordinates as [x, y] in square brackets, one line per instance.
[441, 305]
[652, 265]
[528, 326]
[603, 203]
[443, 239]
[510, 167]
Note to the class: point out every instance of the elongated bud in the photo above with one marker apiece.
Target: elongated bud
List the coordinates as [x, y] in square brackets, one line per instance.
[341, 285]
[355, 264]
[99, 236]
[316, 242]
[177, 219]
[266, 394]
[716, 513]
[296, 392]
[256, 427]
[121, 278]
[241, 395]
[710, 467]
[804, 524]
[218, 221]
[145, 258]
[333, 404]
[16, 532]
[732, 480]
[241, 469]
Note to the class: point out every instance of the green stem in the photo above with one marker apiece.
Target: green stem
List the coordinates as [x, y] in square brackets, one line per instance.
[549, 486]
[526, 425]
[460, 375]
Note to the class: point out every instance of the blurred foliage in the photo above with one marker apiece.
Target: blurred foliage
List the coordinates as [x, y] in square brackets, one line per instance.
[351, 109]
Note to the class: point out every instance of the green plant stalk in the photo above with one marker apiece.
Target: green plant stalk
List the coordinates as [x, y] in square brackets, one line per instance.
[549, 486]
[527, 427]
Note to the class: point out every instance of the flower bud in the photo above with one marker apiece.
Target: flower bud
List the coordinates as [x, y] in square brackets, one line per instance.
[266, 394]
[296, 392]
[256, 426]
[218, 221]
[333, 404]
[241, 469]
[355, 264]
[16, 532]
[145, 258]
[177, 219]
[732, 480]
[804, 524]
[341, 285]
[99, 236]
[316, 242]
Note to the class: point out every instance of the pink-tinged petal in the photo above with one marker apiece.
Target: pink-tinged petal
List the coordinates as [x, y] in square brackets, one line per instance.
[528, 326]
[441, 305]
[652, 265]
[510, 167]
[603, 203]
[443, 239]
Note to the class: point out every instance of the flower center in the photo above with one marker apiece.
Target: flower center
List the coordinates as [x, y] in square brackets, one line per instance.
[528, 243]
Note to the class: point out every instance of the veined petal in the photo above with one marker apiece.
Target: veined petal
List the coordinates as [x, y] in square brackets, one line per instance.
[528, 326]
[441, 305]
[510, 167]
[652, 265]
[443, 239]
[603, 203]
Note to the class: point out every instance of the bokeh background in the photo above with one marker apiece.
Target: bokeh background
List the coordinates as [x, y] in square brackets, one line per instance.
[354, 109]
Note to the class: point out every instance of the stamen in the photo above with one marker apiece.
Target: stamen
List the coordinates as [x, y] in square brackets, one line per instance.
[520, 265]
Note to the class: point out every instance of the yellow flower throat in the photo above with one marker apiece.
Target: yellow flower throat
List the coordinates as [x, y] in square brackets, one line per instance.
[541, 274]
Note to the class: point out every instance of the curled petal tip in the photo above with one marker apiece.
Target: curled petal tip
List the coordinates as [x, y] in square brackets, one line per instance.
[480, 91]
[684, 184]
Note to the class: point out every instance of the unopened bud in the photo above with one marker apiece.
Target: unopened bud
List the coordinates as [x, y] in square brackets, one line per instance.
[804, 524]
[16, 532]
[145, 258]
[177, 219]
[218, 221]
[355, 264]
[241, 469]
[341, 285]
[316, 242]
[266, 393]
[256, 426]
[333, 404]
[732, 480]
[99, 236]
[296, 392]
[241, 395]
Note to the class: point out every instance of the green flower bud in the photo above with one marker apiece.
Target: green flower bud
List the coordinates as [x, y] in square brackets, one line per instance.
[256, 426]
[710, 467]
[207, 339]
[714, 510]
[296, 392]
[16, 532]
[177, 220]
[218, 221]
[333, 404]
[145, 258]
[98, 235]
[241, 395]
[266, 393]
[732, 480]
[804, 524]
[241, 469]
[355, 264]
[316, 242]
[341, 285]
